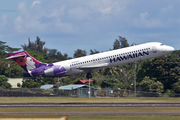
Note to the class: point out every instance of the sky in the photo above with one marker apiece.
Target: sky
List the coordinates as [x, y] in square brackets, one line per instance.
[68, 25]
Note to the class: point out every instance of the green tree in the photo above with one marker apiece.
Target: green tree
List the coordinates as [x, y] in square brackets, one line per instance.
[176, 86]
[149, 85]
[49, 80]
[4, 70]
[112, 82]
[11, 50]
[55, 56]
[79, 53]
[93, 52]
[36, 55]
[116, 44]
[37, 46]
[32, 82]
[111, 71]
[18, 85]
[164, 69]
[16, 70]
[36, 82]
[126, 75]
[68, 80]
[123, 42]
[4, 82]
[4, 49]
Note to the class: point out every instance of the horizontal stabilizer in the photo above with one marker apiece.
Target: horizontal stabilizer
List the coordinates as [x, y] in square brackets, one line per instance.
[16, 56]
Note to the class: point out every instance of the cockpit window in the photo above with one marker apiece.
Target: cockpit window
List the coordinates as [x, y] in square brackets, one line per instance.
[161, 44]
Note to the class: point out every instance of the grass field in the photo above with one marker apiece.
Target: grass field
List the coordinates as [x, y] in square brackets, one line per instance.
[101, 117]
[88, 100]
[90, 109]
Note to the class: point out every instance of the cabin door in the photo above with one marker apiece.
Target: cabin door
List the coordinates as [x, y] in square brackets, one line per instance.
[154, 49]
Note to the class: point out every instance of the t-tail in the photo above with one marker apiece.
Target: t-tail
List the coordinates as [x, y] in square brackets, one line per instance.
[34, 68]
[23, 59]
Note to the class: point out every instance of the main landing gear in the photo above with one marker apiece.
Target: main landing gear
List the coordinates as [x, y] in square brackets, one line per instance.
[88, 76]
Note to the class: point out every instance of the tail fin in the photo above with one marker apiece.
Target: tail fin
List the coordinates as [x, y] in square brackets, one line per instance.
[23, 59]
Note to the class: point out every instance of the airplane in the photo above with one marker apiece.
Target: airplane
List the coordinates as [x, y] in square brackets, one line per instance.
[88, 64]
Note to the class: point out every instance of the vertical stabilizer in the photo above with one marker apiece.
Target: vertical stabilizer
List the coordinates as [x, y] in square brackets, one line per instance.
[23, 59]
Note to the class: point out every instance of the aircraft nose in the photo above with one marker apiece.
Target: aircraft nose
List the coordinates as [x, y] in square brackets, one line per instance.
[170, 49]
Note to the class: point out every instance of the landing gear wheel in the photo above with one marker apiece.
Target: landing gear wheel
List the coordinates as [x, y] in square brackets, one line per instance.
[89, 75]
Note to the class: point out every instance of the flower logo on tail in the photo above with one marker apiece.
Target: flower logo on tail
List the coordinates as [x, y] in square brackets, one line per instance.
[21, 61]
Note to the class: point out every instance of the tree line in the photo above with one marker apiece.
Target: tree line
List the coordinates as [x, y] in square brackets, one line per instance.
[152, 75]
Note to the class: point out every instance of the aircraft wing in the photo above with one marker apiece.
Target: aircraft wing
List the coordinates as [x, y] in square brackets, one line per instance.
[92, 67]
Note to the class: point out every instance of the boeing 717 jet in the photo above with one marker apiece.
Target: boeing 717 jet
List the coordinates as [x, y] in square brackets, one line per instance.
[88, 64]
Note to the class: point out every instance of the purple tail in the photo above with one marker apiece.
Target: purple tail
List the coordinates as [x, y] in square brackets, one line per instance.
[34, 68]
[23, 59]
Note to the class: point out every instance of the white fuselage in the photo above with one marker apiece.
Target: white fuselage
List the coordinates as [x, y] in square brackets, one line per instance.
[115, 57]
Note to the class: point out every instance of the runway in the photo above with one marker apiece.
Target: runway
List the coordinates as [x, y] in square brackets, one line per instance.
[91, 113]
[89, 104]
[3, 105]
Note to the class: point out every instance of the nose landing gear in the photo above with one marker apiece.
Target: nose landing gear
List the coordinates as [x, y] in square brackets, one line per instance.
[165, 57]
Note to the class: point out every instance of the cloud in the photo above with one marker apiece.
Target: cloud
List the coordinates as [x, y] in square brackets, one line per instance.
[22, 8]
[35, 3]
[4, 20]
[80, 13]
[5, 25]
[63, 17]
[106, 10]
[39, 20]
[95, 22]
[145, 21]
[8, 10]
[167, 9]
[77, 16]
